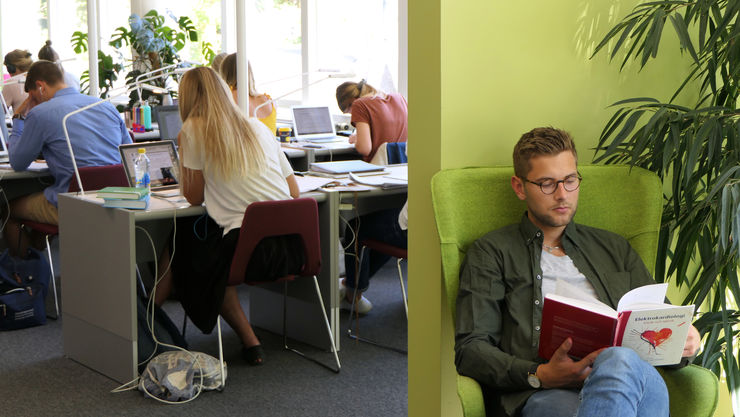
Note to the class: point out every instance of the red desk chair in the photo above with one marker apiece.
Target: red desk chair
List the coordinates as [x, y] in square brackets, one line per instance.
[400, 254]
[280, 218]
[93, 178]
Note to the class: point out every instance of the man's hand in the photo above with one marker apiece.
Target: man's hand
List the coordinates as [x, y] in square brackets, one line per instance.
[353, 137]
[693, 341]
[26, 106]
[562, 371]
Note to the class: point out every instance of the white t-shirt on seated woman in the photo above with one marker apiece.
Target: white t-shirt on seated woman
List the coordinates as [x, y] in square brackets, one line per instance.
[226, 201]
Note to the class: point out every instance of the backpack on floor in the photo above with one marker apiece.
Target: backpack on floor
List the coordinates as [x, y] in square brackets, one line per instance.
[23, 287]
[164, 328]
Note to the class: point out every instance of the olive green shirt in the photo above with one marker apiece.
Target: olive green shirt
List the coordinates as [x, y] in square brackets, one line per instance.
[499, 304]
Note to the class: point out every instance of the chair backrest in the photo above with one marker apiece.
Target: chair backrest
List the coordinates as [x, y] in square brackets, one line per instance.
[95, 178]
[263, 219]
[390, 153]
[470, 202]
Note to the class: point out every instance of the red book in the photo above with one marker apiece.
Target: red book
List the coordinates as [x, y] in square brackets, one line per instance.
[655, 330]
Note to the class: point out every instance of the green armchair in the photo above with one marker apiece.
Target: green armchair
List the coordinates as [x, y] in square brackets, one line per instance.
[469, 202]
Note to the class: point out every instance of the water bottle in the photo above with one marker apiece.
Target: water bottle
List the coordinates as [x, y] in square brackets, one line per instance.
[146, 116]
[141, 170]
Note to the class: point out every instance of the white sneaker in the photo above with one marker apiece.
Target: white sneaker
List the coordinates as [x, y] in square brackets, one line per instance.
[363, 306]
[342, 289]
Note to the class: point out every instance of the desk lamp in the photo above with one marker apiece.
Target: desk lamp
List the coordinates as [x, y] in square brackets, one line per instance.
[274, 100]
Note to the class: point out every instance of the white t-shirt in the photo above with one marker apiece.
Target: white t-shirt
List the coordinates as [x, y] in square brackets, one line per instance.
[556, 268]
[227, 201]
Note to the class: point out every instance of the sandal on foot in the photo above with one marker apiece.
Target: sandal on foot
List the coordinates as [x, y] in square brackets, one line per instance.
[254, 355]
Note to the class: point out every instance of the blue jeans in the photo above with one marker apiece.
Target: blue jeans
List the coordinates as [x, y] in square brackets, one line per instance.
[620, 384]
[379, 225]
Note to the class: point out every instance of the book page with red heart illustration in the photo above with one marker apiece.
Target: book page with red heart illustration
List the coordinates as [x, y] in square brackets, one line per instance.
[657, 335]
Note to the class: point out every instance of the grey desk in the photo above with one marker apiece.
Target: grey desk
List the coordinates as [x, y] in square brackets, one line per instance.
[17, 184]
[99, 250]
[311, 154]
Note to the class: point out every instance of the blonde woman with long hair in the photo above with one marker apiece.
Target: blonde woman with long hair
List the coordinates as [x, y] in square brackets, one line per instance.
[228, 161]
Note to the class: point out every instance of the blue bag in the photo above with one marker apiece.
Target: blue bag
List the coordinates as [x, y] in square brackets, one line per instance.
[23, 287]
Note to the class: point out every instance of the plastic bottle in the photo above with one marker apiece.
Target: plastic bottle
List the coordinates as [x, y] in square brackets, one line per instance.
[141, 170]
[146, 116]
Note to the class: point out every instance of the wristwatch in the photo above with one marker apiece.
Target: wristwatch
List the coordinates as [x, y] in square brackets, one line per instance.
[19, 116]
[532, 379]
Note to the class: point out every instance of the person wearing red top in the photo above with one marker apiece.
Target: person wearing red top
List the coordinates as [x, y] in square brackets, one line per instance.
[377, 117]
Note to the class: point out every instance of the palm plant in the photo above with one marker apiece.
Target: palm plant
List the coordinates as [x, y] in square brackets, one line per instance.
[696, 152]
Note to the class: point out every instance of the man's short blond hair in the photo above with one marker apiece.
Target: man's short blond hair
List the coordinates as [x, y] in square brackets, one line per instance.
[540, 141]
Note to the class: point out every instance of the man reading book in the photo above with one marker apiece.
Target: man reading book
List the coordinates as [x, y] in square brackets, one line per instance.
[503, 281]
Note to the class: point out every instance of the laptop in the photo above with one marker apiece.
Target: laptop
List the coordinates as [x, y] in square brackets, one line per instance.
[164, 165]
[4, 131]
[169, 121]
[314, 124]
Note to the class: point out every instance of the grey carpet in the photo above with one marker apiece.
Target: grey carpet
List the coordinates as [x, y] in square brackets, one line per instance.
[37, 380]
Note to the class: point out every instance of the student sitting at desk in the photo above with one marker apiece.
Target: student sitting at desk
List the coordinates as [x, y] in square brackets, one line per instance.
[267, 113]
[17, 63]
[228, 161]
[377, 117]
[48, 53]
[37, 129]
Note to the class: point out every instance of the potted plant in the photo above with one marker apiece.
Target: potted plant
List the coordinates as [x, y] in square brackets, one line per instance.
[154, 45]
[696, 151]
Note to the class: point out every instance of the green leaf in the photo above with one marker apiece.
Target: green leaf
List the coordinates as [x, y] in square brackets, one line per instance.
[683, 36]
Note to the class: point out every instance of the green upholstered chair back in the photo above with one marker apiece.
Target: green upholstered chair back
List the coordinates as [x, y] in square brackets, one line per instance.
[470, 202]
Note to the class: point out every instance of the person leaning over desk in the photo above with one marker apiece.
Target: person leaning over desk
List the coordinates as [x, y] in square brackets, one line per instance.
[503, 281]
[378, 117]
[267, 113]
[37, 129]
[228, 161]
[17, 63]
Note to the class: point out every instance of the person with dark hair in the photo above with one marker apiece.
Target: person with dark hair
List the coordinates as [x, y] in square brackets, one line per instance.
[17, 63]
[377, 117]
[505, 277]
[37, 129]
[48, 53]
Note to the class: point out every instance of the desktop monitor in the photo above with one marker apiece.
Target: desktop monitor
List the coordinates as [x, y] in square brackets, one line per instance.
[169, 121]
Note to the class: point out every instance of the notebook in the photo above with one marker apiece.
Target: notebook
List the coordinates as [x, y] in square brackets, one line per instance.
[169, 121]
[313, 123]
[345, 167]
[164, 165]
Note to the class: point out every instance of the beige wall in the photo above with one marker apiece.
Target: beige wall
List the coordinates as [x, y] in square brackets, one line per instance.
[482, 72]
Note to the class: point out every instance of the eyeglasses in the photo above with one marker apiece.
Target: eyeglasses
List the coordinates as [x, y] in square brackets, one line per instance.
[548, 186]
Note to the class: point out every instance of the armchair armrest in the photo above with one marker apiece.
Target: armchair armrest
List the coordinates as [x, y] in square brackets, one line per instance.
[693, 391]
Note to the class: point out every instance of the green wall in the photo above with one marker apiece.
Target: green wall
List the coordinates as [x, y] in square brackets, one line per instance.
[481, 73]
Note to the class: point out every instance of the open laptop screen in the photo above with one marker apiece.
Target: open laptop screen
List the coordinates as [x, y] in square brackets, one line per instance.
[312, 122]
[169, 121]
[164, 165]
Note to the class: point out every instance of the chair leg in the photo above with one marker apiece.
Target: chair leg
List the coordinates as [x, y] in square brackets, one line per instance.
[220, 352]
[141, 282]
[359, 338]
[403, 289]
[53, 279]
[326, 322]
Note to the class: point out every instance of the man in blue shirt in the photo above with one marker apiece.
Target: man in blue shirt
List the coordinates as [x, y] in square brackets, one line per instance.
[37, 129]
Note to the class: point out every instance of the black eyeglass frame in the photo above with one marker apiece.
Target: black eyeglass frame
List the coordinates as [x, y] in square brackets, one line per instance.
[557, 183]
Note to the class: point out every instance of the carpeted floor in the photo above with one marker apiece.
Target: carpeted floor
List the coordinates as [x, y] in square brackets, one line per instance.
[37, 380]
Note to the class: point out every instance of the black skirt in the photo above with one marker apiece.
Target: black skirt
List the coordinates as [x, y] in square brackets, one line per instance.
[202, 261]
